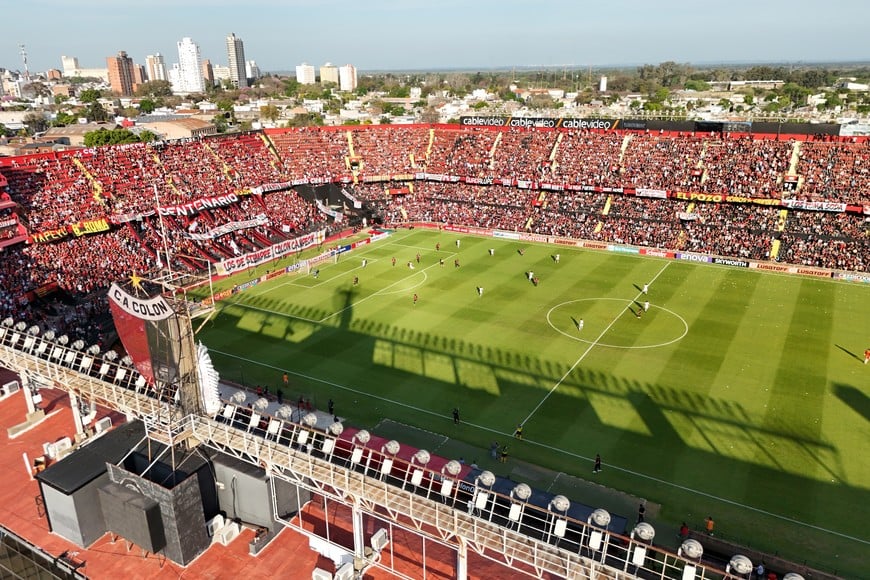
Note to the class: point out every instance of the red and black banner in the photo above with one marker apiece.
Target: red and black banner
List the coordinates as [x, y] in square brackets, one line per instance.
[148, 328]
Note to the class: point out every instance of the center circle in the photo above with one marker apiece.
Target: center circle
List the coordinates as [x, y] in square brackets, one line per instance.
[404, 285]
[681, 327]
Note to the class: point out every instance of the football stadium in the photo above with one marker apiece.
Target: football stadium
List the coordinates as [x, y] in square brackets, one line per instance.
[560, 348]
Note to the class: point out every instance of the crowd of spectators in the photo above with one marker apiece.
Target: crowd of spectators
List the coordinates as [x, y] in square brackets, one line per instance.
[835, 172]
[391, 151]
[745, 167]
[827, 240]
[313, 153]
[56, 190]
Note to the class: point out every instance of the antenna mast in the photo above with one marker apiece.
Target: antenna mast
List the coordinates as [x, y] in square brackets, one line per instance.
[23, 52]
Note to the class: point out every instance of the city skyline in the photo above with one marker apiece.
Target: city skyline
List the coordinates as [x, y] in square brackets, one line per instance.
[412, 35]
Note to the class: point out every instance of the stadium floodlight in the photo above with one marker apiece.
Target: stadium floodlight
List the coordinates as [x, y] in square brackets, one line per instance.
[485, 479]
[8, 322]
[599, 518]
[34, 330]
[63, 340]
[21, 326]
[391, 447]
[94, 349]
[127, 360]
[361, 437]
[558, 505]
[451, 468]
[739, 565]
[420, 458]
[110, 356]
[691, 549]
[336, 428]
[643, 531]
[285, 411]
[79, 344]
[239, 396]
[792, 576]
[49, 335]
[520, 494]
[261, 404]
[309, 420]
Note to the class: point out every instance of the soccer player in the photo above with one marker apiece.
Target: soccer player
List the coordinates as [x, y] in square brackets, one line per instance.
[580, 324]
[457, 243]
[530, 274]
[455, 414]
[415, 299]
[394, 260]
[492, 251]
[638, 313]
[411, 265]
[456, 263]
[480, 290]
[646, 306]
[866, 356]
[518, 432]
[437, 246]
[418, 257]
[557, 258]
[597, 467]
[317, 272]
[441, 262]
[645, 288]
[356, 280]
[364, 262]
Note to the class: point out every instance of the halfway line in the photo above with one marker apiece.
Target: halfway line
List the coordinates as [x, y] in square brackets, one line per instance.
[591, 346]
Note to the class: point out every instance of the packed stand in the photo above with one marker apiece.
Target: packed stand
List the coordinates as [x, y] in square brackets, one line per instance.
[661, 162]
[589, 158]
[523, 154]
[53, 190]
[745, 167]
[835, 172]
[827, 240]
[313, 153]
[465, 152]
[726, 229]
[392, 150]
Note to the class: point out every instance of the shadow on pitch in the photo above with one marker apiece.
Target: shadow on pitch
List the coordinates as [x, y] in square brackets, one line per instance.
[858, 401]
[850, 353]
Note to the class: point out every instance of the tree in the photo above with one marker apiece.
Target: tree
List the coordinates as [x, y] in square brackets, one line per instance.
[154, 89]
[220, 121]
[90, 95]
[696, 85]
[147, 106]
[110, 137]
[4, 132]
[60, 99]
[36, 123]
[95, 112]
[147, 136]
[385, 121]
[270, 112]
[63, 118]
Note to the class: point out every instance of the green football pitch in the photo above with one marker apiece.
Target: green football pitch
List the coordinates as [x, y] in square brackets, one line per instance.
[732, 393]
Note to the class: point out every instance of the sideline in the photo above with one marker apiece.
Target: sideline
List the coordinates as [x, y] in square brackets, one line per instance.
[551, 448]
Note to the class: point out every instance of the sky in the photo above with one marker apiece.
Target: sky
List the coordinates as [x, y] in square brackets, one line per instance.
[438, 34]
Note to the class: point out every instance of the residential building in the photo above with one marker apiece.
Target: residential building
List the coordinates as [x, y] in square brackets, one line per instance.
[190, 78]
[329, 73]
[71, 68]
[208, 73]
[236, 61]
[156, 67]
[252, 70]
[347, 78]
[305, 74]
[221, 73]
[121, 74]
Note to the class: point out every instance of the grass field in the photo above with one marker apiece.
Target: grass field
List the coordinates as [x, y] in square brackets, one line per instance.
[738, 394]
